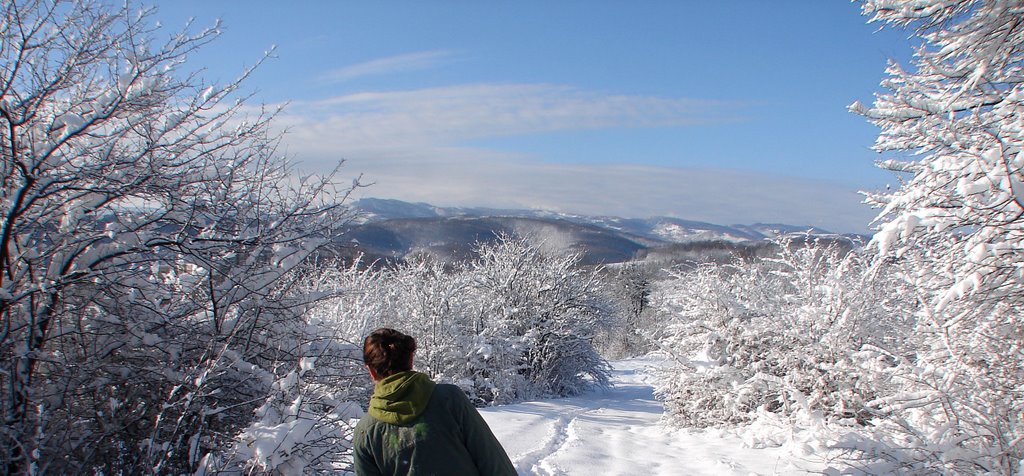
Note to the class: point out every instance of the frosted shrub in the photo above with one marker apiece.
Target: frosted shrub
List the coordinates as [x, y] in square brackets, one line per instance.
[950, 403]
[352, 298]
[512, 324]
[308, 377]
[778, 336]
[547, 306]
[306, 422]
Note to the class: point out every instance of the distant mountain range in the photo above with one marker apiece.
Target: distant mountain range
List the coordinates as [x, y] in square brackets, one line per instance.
[393, 230]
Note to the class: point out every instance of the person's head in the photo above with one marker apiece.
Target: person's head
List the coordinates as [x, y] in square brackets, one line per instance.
[387, 352]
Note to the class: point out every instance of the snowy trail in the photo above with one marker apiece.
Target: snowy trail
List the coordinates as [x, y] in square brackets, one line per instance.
[617, 432]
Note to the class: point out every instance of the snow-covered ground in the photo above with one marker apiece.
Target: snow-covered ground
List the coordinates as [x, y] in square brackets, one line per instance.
[618, 432]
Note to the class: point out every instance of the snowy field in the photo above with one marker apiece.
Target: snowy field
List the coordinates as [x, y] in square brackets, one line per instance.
[618, 432]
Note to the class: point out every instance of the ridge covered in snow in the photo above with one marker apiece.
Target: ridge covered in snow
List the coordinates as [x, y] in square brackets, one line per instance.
[655, 229]
[393, 230]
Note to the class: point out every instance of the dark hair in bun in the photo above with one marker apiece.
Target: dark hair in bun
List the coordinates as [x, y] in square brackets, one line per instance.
[388, 351]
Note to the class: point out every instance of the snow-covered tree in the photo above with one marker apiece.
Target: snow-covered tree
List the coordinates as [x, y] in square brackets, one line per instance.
[549, 307]
[356, 298]
[516, 322]
[955, 121]
[630, 284]
[431, 299]
[958, 111]
[779, 335]
[148, 245]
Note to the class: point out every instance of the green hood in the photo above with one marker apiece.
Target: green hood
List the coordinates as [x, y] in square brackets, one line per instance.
[400, 398]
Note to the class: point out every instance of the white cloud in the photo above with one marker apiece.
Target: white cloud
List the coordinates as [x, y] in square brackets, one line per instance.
[720, 196]
[424, 120]
[414, 145]
[392, 64]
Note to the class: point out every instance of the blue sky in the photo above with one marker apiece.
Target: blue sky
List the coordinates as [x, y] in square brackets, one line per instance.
[721, 111]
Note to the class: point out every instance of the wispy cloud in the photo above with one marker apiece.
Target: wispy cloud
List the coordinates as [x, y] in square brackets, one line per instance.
[722, 196]
[424, 120]
[392, 64]
[417, 145]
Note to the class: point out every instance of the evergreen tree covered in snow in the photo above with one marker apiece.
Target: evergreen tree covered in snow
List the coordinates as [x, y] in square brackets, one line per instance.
[956, 225]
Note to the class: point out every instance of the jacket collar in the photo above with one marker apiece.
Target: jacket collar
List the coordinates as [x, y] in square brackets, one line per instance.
[400, 398]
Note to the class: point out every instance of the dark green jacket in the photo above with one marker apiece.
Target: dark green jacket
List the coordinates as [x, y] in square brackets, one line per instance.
[417, 427]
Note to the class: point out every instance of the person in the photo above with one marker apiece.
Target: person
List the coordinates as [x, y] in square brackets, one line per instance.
[415, 426]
